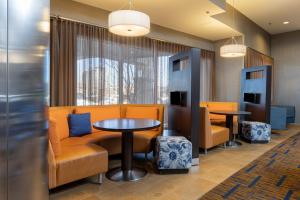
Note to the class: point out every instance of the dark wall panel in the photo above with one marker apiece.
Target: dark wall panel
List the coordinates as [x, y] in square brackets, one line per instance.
[184, 87]
[256, 93]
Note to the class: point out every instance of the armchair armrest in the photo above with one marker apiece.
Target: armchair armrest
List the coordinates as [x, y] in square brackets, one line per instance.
[51, 167]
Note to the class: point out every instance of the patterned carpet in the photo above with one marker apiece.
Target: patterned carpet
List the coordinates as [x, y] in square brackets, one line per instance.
[274, 175]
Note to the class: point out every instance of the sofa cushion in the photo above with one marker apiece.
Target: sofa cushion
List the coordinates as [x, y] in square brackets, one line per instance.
[80, 124]
[219, 134]
[99, 113]
[142, 140]
[60, 117]
[91, 159]
[94, 137]
[54, 138]
[111, 141]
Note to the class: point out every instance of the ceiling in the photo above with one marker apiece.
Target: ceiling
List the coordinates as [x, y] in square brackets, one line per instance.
[189, 16]
[264, 12]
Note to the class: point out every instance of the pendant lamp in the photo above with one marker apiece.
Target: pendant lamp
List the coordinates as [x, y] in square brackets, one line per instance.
[130, 23]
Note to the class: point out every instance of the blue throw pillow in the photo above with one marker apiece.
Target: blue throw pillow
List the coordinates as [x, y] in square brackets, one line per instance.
[79, 124]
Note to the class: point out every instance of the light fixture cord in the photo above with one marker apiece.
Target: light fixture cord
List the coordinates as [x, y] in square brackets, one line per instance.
[234, 22]
[233, 14]
[130, 4]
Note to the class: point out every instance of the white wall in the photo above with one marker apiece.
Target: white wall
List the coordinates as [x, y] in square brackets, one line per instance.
[285, 49]
[228, 73]
[228, 70]
[96, 16]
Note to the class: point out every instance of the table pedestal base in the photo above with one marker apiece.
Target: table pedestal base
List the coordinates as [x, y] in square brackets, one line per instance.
[116, 174]
[233, 144]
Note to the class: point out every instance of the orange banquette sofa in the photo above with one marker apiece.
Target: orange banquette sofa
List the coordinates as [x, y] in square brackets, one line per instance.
[224, 106]
[74, 158]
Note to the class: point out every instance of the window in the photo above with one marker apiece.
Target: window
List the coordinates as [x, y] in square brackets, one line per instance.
[111, 71]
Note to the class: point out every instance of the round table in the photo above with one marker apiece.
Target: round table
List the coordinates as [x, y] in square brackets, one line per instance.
[127, 126]
[229, 123]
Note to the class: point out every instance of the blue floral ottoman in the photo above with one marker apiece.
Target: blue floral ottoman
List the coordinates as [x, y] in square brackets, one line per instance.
[174, 154]
[256, 132]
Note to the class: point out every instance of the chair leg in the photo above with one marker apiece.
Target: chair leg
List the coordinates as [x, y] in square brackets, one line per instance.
[205, 151]
[100, 178]
[225, 146]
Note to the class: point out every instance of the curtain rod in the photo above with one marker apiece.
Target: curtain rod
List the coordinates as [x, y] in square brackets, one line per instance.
[79, 21]
[102, 26]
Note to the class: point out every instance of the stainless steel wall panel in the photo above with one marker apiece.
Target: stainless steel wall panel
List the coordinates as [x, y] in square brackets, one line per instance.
[3, 99]
[28, 38]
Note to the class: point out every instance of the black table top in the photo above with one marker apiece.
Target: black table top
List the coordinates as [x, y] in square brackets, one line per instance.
[123, 125]
[227, 112]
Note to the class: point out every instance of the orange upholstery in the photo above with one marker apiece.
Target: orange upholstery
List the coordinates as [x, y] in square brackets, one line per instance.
[80, 157]
[60, 117]
[111, 141]
[54, 138]
[80, 161]
[143, 140]
[142, 112]
[99, 113]
[211, 135]
[224, 106]
[51, 167]
[159, 107]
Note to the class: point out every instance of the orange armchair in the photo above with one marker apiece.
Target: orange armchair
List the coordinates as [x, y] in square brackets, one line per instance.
[220, 120]
[211, 135]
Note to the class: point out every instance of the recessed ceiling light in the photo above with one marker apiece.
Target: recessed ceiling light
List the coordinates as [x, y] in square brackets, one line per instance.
[286, 22]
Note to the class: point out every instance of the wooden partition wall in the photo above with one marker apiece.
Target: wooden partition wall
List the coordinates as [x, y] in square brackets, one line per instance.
[254, 58]
[183, 110]
[256, 93]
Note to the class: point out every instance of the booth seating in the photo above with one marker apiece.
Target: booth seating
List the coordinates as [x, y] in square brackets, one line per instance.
[173, 153]
[281, 116]
[256, 132]
[211, 135]
[74, 158]
[220, 120]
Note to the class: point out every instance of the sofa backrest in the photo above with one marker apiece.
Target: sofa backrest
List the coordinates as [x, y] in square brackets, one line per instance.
[224, 106]
[99, 113]
[59, 115]
[144, 110]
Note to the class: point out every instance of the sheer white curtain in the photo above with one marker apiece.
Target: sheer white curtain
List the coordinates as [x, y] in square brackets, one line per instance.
[113, 69]
[109, 69]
